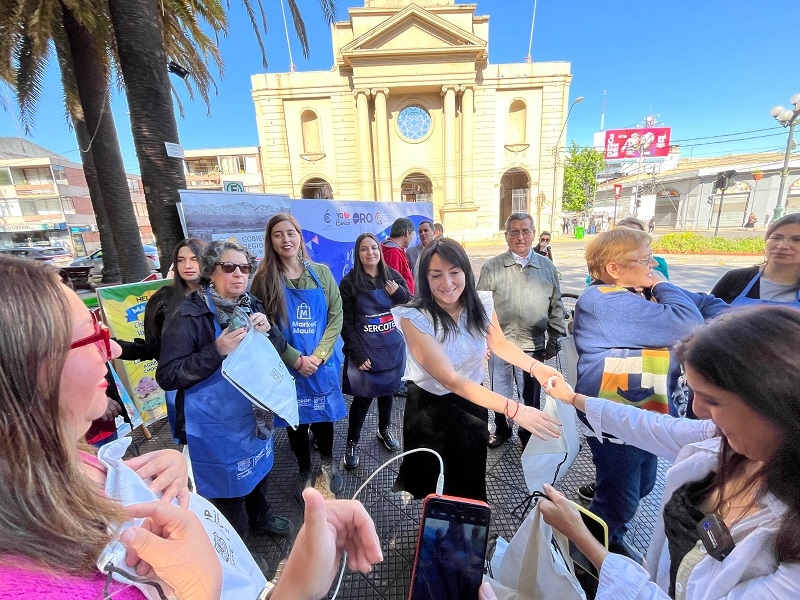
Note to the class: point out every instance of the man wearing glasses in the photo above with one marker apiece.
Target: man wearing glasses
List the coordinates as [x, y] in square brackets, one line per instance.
[527, 300]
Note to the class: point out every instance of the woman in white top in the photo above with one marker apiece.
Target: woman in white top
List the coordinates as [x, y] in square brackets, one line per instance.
[447, 328]
[739, 465]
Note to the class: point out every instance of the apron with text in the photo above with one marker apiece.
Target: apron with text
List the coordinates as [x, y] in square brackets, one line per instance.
[384, 345]
[743, 300]
[228, 459]
[319, 397]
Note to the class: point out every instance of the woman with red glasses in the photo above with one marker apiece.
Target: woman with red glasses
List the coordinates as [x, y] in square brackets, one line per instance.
[230, 442]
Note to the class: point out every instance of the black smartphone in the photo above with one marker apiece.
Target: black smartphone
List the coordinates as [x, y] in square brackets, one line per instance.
[599, 530]
[451, 549]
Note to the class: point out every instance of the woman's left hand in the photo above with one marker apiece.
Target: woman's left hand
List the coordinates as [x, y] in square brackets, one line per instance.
[391, 287]
[168, 471]
[561, 513]
[260, 322]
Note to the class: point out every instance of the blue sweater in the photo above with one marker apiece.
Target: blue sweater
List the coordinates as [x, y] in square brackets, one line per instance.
[624, 341]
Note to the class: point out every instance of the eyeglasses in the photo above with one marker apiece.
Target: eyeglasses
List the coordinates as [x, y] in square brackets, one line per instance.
[229, 267]
[544, 239]
[100, 338]
[645, 262]
[789, 239]
[520, 233]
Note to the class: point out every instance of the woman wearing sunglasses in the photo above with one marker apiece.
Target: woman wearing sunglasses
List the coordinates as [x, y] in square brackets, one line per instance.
[775, 281]
[230, 441]
[302, 298]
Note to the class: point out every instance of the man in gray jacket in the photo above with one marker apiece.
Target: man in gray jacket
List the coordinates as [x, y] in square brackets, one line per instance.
[527, 300]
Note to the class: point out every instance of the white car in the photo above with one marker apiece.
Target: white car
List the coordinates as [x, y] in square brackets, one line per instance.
[95, 260]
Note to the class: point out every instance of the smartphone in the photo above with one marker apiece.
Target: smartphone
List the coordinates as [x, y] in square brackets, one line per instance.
[599, 530]
[451, 549]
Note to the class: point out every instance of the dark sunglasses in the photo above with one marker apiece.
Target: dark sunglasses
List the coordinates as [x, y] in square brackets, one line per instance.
[229, 267]
[100, 338]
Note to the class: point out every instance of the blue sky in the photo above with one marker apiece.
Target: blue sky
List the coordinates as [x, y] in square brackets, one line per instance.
[706, 67]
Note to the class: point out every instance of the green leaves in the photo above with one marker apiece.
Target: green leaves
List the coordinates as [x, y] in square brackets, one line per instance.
[696, 243]
[580, 177]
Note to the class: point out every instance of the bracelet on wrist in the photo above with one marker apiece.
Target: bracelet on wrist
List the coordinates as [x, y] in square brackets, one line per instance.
[505, 412]
[572, 402]
[534, 365]
[514, 416]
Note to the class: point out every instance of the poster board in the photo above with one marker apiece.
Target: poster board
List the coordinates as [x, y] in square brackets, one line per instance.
[122, 307]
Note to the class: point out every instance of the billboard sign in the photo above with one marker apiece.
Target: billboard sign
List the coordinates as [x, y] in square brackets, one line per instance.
[617, 191]
[633, 144]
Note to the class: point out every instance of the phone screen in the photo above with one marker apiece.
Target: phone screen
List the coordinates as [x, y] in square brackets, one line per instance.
[451, 550]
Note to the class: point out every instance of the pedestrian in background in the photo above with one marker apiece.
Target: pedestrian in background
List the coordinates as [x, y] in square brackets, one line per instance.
[426, 235]
[302, 298]
[543, 248]
[527, 300]
[438, 230]
[375, 354]
[651, 225]
[394, 249]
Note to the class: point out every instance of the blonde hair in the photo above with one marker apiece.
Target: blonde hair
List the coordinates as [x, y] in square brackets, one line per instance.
[613, 246]
[50, 512]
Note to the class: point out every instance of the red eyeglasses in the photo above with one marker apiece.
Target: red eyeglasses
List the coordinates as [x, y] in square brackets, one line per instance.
[100, 338]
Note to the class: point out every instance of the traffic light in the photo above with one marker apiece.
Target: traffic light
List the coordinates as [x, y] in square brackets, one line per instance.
[638, 196]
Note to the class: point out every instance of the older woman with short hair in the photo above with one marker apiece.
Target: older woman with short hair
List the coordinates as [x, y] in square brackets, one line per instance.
[230, 443]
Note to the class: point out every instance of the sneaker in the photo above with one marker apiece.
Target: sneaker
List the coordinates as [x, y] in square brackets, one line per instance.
[330, 480]
[303, 481]
[351, 458]
[586, 492]
[388, 439]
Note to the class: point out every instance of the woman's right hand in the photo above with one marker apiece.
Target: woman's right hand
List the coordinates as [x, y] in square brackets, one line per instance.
[366, 366]
[559, 389]
[305, 366]
[229, 340]
[538, 423]
[173, 544]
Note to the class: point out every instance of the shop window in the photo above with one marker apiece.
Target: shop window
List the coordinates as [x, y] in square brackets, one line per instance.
[59, 174]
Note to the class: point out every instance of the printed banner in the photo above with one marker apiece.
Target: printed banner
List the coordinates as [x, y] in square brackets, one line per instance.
[643, 142]
[123, 312]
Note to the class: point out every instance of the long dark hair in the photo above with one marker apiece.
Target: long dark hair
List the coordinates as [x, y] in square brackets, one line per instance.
[268, 281]
[179, 286]
[451, 251]
[361, 280]
[768, 381]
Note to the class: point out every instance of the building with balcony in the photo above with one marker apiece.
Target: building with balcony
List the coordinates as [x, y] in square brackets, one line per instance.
[44, 200]
[413, 110]
[232, 169]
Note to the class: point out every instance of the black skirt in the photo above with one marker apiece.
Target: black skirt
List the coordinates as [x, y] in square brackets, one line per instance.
[454, 427]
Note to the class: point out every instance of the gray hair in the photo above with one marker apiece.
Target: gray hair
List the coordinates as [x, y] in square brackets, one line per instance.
[519, 216]
[214, 251]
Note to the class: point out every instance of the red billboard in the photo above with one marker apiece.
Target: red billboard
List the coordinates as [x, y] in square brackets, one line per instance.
[642, 142]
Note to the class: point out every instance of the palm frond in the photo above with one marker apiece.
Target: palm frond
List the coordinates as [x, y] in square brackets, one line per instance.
[30, 81]
[254, 23]
[328, 10]
[299, 27]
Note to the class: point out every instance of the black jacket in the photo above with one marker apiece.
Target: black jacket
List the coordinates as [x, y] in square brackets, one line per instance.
[188, 352]
[155, 313]
[733, 283]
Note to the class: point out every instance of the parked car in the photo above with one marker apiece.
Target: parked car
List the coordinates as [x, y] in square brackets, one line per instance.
[95, 260]
[52, 254]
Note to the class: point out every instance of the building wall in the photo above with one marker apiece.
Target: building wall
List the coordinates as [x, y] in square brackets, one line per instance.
[434, 54]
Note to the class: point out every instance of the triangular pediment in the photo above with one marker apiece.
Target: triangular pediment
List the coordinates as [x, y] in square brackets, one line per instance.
[414, 30]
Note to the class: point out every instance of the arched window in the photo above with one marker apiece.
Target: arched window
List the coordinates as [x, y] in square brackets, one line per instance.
[514, 192]
[311, 138]
[416, 188]
[317, 189]
[516, 126]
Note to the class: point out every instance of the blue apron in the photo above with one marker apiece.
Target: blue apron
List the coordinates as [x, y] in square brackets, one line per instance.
[319, 397]
[228, 459]
[384, 345]
[743, 300]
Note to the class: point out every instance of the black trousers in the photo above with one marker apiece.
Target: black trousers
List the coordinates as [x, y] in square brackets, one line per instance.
[298, 440]
[244, 512]
[358, 413]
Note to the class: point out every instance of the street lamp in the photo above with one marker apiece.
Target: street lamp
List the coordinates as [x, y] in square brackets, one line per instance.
[555, 163]
[788, 118]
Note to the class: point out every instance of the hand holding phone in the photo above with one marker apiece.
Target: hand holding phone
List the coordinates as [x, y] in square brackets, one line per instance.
[451, 549]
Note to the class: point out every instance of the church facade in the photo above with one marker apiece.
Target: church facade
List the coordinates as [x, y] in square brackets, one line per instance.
[413, 110]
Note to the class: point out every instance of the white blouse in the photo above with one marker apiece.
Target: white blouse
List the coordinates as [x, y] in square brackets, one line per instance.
[465, 350]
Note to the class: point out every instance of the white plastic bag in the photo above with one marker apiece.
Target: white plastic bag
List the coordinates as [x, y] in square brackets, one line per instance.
[257, 371]
[547, 461]
[535, 565]
[241, 577]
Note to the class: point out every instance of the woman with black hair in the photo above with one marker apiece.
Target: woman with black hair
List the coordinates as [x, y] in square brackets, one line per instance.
[186, 279]
[447, 328]
[375, 354]
[734, 471]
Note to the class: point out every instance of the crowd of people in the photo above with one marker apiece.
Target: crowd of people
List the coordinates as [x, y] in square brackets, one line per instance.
[423, 320]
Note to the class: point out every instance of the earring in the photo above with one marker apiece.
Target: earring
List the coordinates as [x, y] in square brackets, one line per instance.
[300, 255]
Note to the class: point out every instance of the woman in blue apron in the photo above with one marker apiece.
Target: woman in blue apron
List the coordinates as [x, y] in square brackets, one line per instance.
[302, 298]
[375, 353]
[229, 442]
[777, 281]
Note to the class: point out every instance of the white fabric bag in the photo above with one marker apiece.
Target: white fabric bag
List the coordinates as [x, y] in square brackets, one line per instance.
[535, 565]
[544, 460]
[241, 577]
[255, 368]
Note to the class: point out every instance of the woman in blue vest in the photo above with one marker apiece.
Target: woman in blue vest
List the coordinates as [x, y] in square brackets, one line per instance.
[777, 281]
[230, 443]
[375, 353]
[302, 298]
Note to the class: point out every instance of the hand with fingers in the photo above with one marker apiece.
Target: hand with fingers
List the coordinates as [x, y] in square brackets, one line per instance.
[538, 423]
[260, 322]
[168, 471]
[229, 340]
[391, 287]
[366, 366]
